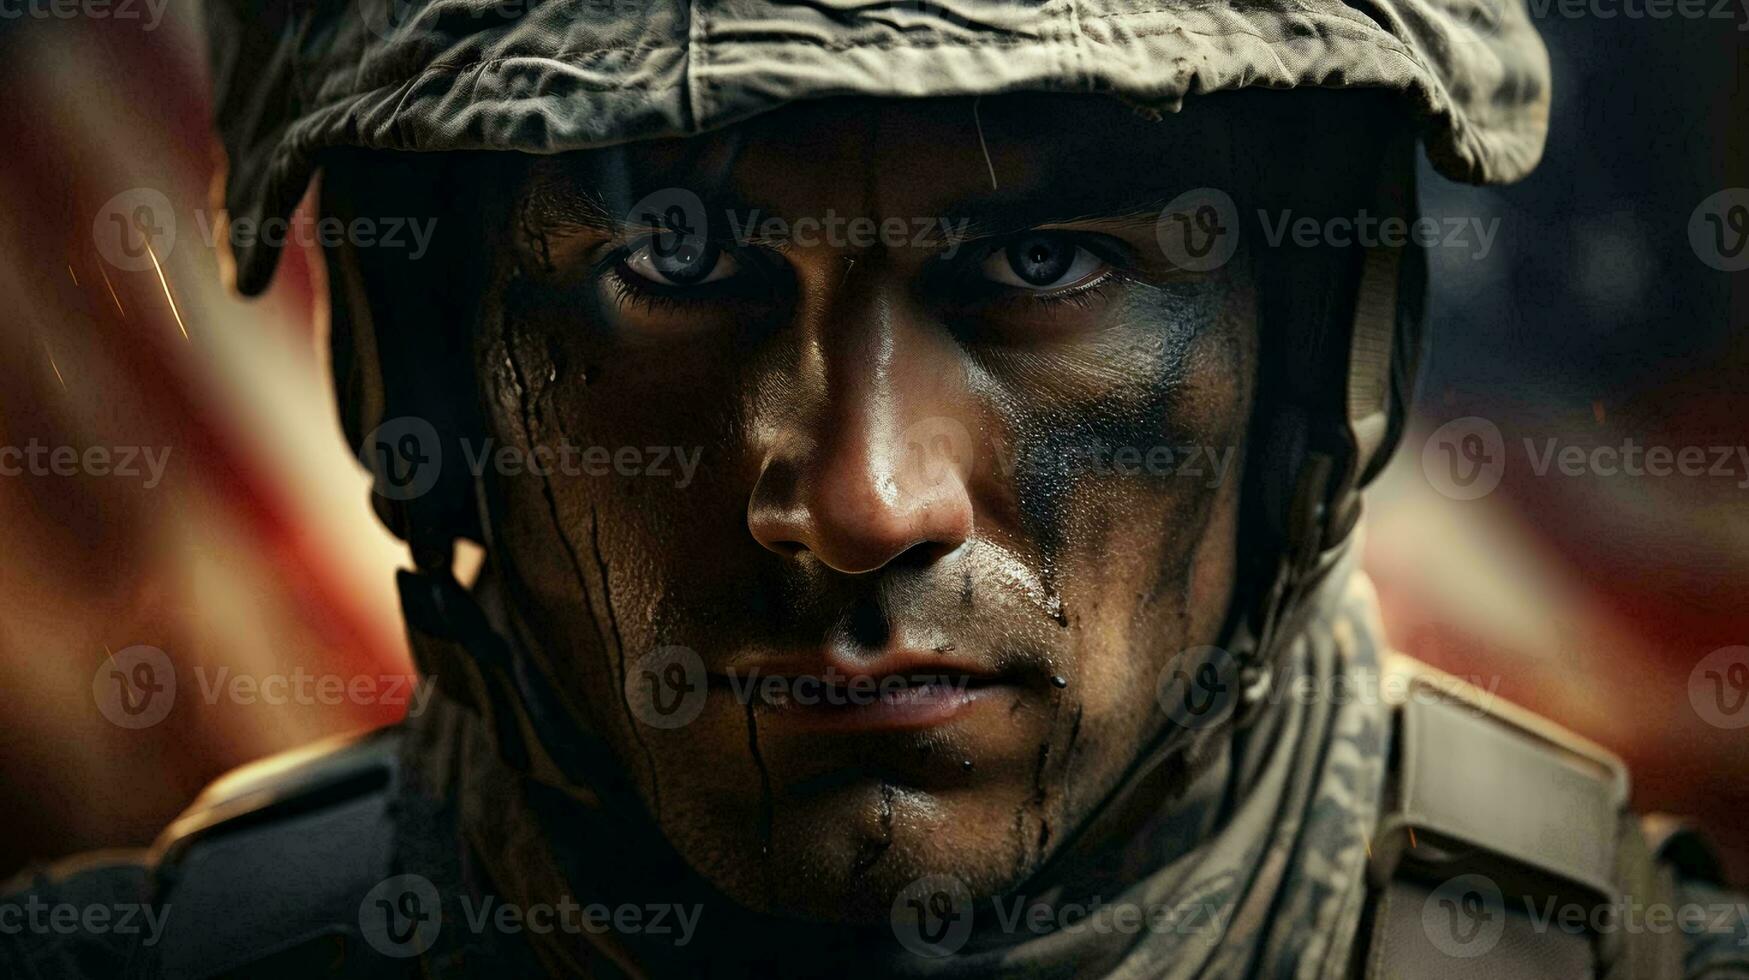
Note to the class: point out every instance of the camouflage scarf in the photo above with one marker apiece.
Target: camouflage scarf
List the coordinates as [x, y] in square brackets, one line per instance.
[1276, 887]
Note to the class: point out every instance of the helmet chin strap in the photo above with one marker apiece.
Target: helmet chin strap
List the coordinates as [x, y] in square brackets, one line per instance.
[1319, 514]
[477, 664]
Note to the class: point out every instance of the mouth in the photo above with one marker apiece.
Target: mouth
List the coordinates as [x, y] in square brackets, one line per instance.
[895, 703]
[896, 693]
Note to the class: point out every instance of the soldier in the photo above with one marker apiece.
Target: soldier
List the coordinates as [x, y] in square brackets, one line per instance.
[918, 503]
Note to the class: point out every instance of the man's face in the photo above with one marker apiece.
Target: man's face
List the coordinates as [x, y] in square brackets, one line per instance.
[928, 460]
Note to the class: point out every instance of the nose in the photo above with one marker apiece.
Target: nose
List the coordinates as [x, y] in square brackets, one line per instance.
[877, 468]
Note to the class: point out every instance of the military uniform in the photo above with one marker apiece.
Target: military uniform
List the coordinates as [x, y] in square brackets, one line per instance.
[1398, 825]
[1393, 824]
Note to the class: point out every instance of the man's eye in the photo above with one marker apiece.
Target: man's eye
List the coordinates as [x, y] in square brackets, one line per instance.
[1041, 262]
[679, 262]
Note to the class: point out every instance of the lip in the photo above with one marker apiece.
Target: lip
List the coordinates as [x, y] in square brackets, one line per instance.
[899, 691]
[913, 707]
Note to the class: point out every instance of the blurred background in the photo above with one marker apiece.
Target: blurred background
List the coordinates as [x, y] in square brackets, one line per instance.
[1610, 307]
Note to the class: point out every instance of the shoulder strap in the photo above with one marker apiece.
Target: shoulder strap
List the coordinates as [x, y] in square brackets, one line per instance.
[266, 873]
[1504, 845]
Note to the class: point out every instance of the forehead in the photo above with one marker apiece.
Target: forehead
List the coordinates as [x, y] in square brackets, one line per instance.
[1048, 153]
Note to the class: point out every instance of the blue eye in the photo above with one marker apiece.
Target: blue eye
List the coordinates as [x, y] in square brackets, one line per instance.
[1041, 261]
[689, 261]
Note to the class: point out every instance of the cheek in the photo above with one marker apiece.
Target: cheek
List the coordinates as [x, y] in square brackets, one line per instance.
[608, 501]
[1139, 526]
[1157, 588]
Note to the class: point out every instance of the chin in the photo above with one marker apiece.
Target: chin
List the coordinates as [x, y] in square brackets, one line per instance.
[843, 855]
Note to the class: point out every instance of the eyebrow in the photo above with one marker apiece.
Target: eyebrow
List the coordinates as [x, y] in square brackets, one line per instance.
[557, 202]
[1000, 218]
[552, 204]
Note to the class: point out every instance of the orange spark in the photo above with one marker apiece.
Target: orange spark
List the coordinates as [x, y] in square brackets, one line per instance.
[166, 284]
[112, 295]
[57, 367]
